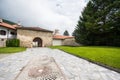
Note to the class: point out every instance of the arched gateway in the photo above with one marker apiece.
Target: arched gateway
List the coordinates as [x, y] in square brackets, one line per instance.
[34, 37]
[37, 42]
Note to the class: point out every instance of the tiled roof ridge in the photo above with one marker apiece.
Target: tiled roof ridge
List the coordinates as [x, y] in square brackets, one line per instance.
[61, 37]
[3, 24]
[35, 28]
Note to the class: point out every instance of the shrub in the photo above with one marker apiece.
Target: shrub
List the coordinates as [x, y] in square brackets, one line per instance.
[13, 43]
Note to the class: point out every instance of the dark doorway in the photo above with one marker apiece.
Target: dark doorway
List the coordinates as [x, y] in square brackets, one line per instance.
[37, 42]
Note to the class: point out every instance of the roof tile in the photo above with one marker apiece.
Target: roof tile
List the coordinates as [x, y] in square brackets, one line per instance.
[34, 28]
[7, 25]
[62, 37]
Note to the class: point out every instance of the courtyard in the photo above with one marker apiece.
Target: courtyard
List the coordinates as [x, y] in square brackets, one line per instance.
[73, 68]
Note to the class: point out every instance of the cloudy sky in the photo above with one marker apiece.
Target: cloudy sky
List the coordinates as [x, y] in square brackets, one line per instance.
[48, 14]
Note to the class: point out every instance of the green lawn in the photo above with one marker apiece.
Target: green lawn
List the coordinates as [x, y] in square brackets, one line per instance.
[109, 56]
[11, 49]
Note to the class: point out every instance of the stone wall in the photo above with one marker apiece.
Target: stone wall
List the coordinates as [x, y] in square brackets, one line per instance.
[70, 42]
[3, 42]
[26, 37]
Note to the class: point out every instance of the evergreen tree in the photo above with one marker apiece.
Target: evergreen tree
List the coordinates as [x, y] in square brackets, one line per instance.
[99, 23]
[66, 33]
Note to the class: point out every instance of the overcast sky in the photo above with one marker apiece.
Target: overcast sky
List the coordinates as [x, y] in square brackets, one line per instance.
[48, 14]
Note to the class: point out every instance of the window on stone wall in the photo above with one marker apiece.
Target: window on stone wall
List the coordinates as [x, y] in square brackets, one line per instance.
[2, 32]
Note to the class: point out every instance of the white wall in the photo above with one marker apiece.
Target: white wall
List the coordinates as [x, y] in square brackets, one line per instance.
[10, 35]
[8, 31]
[57, 42]
[3, 38]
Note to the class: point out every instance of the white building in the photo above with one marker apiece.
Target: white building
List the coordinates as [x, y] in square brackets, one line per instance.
[7, 31]
[64, 40]
[59, 40]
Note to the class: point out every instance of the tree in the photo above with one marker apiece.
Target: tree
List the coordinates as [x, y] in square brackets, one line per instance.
[66, 33]
[99, 23]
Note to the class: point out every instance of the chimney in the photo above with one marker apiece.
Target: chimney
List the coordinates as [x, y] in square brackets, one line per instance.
[19, 24]
[56, 32]
[1, 20]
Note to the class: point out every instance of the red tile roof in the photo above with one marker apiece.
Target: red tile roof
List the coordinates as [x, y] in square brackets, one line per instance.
[61, 37]
[7, 25]
[34, 28]
[3, 24]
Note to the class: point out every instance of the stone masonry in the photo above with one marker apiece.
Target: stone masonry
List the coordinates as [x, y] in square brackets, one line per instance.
[70, 42]
[26, 37]
[3, 42]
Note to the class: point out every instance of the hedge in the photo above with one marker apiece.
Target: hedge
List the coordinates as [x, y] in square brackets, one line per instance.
[13, 43]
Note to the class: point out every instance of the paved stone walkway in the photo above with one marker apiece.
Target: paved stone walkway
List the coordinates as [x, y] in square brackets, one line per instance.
[73, 67]
[3, 55]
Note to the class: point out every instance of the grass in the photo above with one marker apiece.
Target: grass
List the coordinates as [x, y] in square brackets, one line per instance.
[11, 49]
[109, 56]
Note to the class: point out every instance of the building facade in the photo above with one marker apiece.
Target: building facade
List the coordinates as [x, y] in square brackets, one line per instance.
[59, 40]
[7, 31]
[34, 37]
[28, 36]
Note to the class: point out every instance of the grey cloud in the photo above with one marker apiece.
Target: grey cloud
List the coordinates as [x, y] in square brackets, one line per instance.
[49, 14]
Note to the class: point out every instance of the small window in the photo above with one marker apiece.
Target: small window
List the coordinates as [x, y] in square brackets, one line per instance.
[2, 32]
[12, 33]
